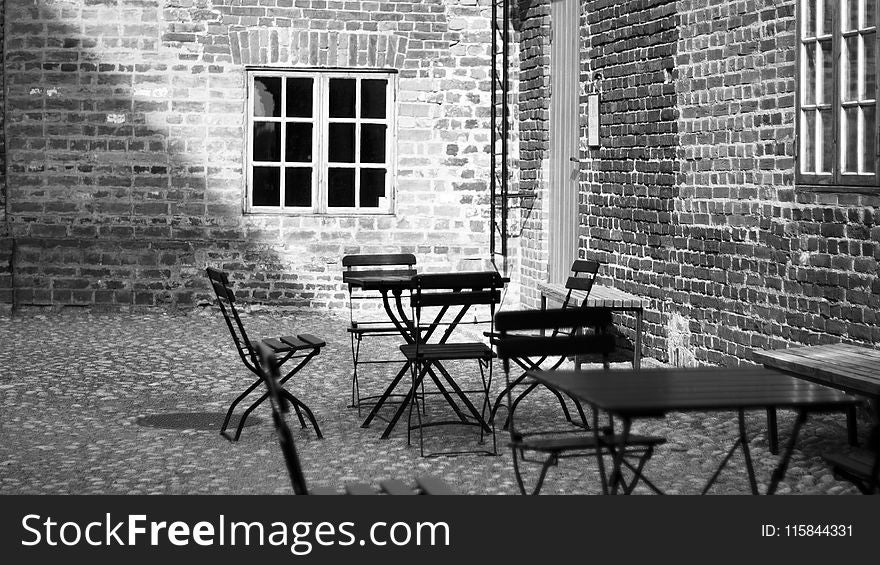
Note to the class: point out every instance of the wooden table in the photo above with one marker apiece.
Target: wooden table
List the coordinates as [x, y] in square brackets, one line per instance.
[630, 394]
[606, 297]
[852, 368]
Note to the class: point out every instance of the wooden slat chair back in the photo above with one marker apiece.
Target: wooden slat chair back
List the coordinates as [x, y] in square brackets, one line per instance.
[363, 325]
[448, 299]
[582, 278]
[517, 340]
[300, 348]
[269, 373]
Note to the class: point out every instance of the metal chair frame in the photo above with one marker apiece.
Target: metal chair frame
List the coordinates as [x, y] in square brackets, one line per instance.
[358, 330]
[511, 344]
[285, 348]
[588, 269]
[454, 294]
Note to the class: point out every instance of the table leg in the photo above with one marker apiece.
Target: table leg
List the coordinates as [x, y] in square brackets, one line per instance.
[618, 452]
[637, 354]
[385, 395]
[747, 454]
[772, 430]
[779, 472]
[851, 426]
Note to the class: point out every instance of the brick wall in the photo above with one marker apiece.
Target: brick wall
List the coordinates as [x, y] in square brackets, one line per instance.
[691, 199]
[125, 129]
[5, 241]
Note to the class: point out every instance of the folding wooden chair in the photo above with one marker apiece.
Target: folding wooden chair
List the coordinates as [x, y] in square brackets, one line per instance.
[451, 297]
[302, 347]
[362, 326]
[583, 275]
[516, 340]
[268, 368]
[860, 467]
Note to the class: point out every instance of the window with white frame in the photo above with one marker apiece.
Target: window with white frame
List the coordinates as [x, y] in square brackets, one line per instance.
[838, 93]
[320, 141]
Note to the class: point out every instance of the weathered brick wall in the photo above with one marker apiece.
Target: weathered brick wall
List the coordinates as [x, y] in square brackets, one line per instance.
[691, 199]
[759, 262]
[5, 241]
[534, 143]
[125, 129]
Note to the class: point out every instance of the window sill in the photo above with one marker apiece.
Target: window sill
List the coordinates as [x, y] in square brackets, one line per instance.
[317, 214]
[837, 189]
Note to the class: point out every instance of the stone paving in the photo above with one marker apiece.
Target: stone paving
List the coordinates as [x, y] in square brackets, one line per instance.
[90, 404]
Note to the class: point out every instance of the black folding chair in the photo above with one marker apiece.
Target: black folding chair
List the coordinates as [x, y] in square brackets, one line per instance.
[268, 368]
[516, 340]
[861, 467]
[362, 325]
[583, 275]
[302, 347]
[450, 297]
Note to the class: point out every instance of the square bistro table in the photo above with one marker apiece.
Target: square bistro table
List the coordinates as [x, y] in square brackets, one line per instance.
[848, 367]
[396, 285]
[651, 393]
[604, 297]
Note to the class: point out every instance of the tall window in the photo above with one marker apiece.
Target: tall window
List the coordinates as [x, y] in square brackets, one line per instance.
[838, 128]
[320, 142]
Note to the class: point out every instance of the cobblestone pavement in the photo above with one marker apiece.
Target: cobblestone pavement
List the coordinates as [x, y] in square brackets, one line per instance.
[79, 390]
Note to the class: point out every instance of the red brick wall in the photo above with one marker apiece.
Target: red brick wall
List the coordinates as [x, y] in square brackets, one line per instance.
[125, 135]
[5, 241]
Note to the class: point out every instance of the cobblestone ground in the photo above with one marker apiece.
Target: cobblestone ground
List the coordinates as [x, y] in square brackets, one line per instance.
[89, 404]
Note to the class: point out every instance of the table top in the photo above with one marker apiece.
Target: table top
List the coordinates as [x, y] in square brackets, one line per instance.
[600, 295]
[653, 392]
[386, 282]
[853, 367]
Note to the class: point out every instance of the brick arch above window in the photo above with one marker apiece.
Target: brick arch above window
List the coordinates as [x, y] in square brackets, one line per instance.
[317, 48]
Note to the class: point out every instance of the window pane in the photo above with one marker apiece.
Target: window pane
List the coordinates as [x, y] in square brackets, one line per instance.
[827, 62]
[850, 139]
[267, 97]
[828, 17]
[809, 141]
[372, 187]
[373, 143]
[299, 142]
[809, 82]
[340, 188]
[827, 157]
[341, 148]
[342, 96]
[850, 73]
[267, 141]
[870, 90]
[298, 186]
[850, 17]
[299, 97]
[870, 155]
[809, 18]
[373, 98]
[267, 186]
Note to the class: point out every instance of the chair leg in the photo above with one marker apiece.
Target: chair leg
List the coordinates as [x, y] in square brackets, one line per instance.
[551, 460]
[232, 406]
[297, 404]
[522, 395]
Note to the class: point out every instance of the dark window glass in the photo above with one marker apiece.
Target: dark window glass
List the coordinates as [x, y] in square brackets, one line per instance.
[372, 187]
[341, 148]
[373, 98]
[267, 141]
[298, 186]
[267, 97]
[299, 97]
[373, 143]
[342, 96]
[340, 188]
[299, 142]
[267, 186]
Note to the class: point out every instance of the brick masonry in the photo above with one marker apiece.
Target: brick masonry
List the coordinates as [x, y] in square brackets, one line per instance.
[125, 124]
[691, 198]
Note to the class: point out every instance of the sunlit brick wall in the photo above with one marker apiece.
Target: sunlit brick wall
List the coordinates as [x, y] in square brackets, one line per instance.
[126, 130]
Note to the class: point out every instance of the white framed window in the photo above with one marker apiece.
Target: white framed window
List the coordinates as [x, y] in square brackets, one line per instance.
[320, 141]
[838, 66]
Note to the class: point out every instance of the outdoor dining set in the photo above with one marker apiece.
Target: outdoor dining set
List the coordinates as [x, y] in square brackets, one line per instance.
[450, 328]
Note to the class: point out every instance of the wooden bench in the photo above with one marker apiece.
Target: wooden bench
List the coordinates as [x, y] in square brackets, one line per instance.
[602, 297]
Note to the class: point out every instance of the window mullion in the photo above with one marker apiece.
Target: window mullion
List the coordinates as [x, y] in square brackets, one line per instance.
[837, 94]
[323, 132]
[357, 143]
